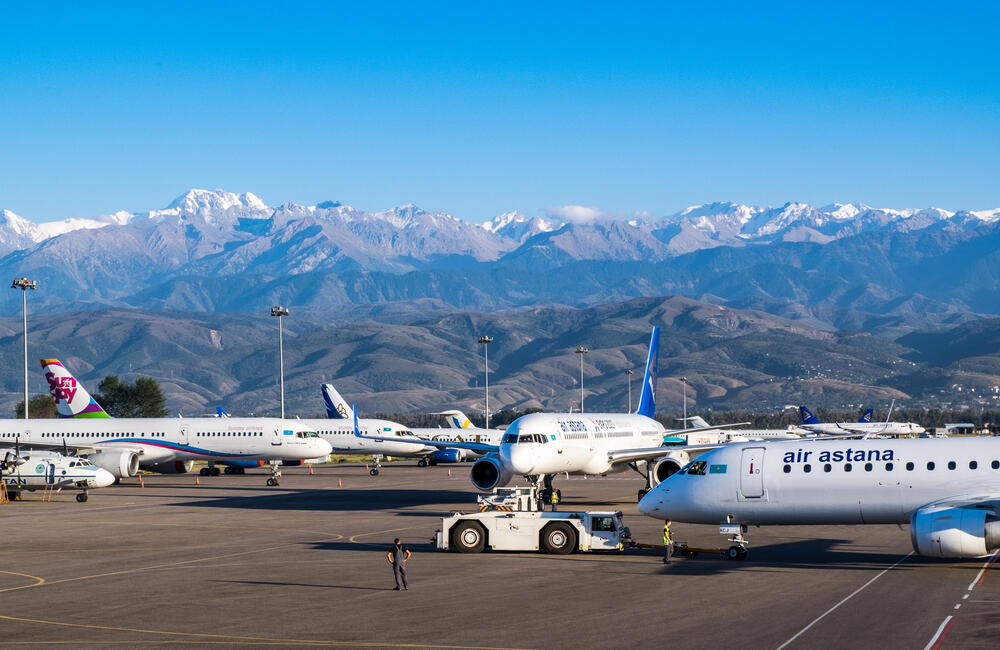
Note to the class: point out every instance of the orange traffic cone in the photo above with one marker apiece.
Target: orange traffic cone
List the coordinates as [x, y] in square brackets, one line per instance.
[366, 467]
[340, 483]
[449, 473]
[311, 472]
[197, 481]
[141, 484]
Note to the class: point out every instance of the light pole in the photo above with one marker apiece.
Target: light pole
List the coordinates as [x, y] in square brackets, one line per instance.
[581, 351]
[280, 311]
[628, 374]
[684, 386]
[24, 284]
[485, 341]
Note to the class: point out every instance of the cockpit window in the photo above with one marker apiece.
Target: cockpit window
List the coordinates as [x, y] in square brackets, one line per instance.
[697, 468]
[509, 438]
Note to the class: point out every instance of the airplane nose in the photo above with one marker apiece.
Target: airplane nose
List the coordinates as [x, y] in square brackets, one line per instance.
[522, 459]
[321, 446]
[652, 505]
[103, 478]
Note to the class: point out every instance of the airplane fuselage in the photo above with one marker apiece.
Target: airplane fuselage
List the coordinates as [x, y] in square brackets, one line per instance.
[826, 482]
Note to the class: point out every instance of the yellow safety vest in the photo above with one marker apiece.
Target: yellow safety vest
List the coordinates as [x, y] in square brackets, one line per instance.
[555, 497]
[666, 535]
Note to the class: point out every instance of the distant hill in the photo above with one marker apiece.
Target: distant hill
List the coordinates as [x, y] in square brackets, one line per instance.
[411, 361]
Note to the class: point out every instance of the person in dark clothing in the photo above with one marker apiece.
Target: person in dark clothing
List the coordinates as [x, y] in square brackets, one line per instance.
[397, 556]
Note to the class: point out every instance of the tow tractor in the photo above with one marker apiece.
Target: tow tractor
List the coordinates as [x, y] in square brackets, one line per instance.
[511, 520]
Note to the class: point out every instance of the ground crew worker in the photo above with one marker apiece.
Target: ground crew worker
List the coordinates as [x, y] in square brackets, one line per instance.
[554, 499]
[668, 543]
[397, 556]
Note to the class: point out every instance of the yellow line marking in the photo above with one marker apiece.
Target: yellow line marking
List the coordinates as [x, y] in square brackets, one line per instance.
[224, 637]
[166, 565]
[354, 538]
[41, 581]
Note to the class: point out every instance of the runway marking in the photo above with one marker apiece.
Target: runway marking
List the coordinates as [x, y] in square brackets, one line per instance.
[227, 638]
[354, 538]
[333, 537]
[940, 635]
[981, 576]
[852, 595]
[40, 581]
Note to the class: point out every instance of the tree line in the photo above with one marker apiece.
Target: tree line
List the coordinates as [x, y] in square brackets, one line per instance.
[119, 398]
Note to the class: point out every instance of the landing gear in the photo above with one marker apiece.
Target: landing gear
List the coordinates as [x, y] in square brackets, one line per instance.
[214, 471]
[203, 471]
[421, 463]
[374, 471]
[738, 550]
[233, 470]
[646, 475]
[82, 497]
[543, 488]
[211, 470]
[275, 475]
[642, 492]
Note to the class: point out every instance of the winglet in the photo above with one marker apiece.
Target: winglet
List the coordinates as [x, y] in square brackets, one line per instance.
[72, 399]
[647, 399]
[807, 416]
[357, 431]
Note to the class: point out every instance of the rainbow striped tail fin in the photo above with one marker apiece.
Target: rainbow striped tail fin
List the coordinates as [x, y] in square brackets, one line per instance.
[72, 399]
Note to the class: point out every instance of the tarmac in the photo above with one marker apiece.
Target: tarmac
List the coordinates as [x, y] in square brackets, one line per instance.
[231, 562]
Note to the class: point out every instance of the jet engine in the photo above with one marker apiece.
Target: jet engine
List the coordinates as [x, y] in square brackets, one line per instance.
[170, 467]
[667, 466]
[446, 456]
[121, 463]
[488, 473]
[946, 531]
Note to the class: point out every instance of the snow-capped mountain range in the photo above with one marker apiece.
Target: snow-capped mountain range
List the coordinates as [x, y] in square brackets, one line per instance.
[207, 247]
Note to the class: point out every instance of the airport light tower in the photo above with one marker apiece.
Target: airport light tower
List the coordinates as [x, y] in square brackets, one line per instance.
[24, 284]
[581, 351]
[485, 341]
[628, 375]
[684, 387]
[280, 311]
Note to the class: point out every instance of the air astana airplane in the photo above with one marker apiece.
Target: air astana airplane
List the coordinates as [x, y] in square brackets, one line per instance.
[540, 445]
[948, 490]
[164, 445]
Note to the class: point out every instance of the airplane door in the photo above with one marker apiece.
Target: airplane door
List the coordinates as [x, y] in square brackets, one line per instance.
[51, 477]
[183, 434]
[276, 440]
[752, 474]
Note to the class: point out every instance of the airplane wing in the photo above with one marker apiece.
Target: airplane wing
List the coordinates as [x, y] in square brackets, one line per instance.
[714, 427]
[651, 453]
[58, 446]
[479, 447]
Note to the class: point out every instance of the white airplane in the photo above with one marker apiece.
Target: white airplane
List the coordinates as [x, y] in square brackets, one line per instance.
[540, 445]
[165, 445]
[861, 427]
[37, 470]
[711, 437]
[948, 490]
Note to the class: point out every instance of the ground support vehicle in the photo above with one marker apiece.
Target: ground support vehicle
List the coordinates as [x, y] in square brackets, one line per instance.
[554, 532]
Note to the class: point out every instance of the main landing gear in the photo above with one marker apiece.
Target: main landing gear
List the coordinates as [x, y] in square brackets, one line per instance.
[211, 470]
[377, 459]
[82, 497]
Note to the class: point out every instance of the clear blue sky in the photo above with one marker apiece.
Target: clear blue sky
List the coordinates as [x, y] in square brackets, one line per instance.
[479, 108]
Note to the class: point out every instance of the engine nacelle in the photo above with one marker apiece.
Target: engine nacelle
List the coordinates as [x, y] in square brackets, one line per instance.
[945, 531]
[667, 466]
[447, 456]
[121, 463]
[488, 473]
[170, 467]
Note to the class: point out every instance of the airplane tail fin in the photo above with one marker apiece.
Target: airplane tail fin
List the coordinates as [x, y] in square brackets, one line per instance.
[647, 399]
[807, 416]
[336, 406]
[221, 412]
[456, 419]
[867, 417]
[72, 399]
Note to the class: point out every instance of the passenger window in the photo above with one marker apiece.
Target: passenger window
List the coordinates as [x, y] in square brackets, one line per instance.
[951, 464]
[973, 464]
[788, 469]
[930, 465]
[807, 468]
[868, 467]
[828, 467]
[848, 467]
[909, 467]
[888, 467]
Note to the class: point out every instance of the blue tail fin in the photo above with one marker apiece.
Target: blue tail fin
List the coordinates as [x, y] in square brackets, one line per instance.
[336, 406]
[867, 417]
[807, 416]
[647, 400]
[220, 412]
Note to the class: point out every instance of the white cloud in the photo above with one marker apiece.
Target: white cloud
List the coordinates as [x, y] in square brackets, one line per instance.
[577, 213]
